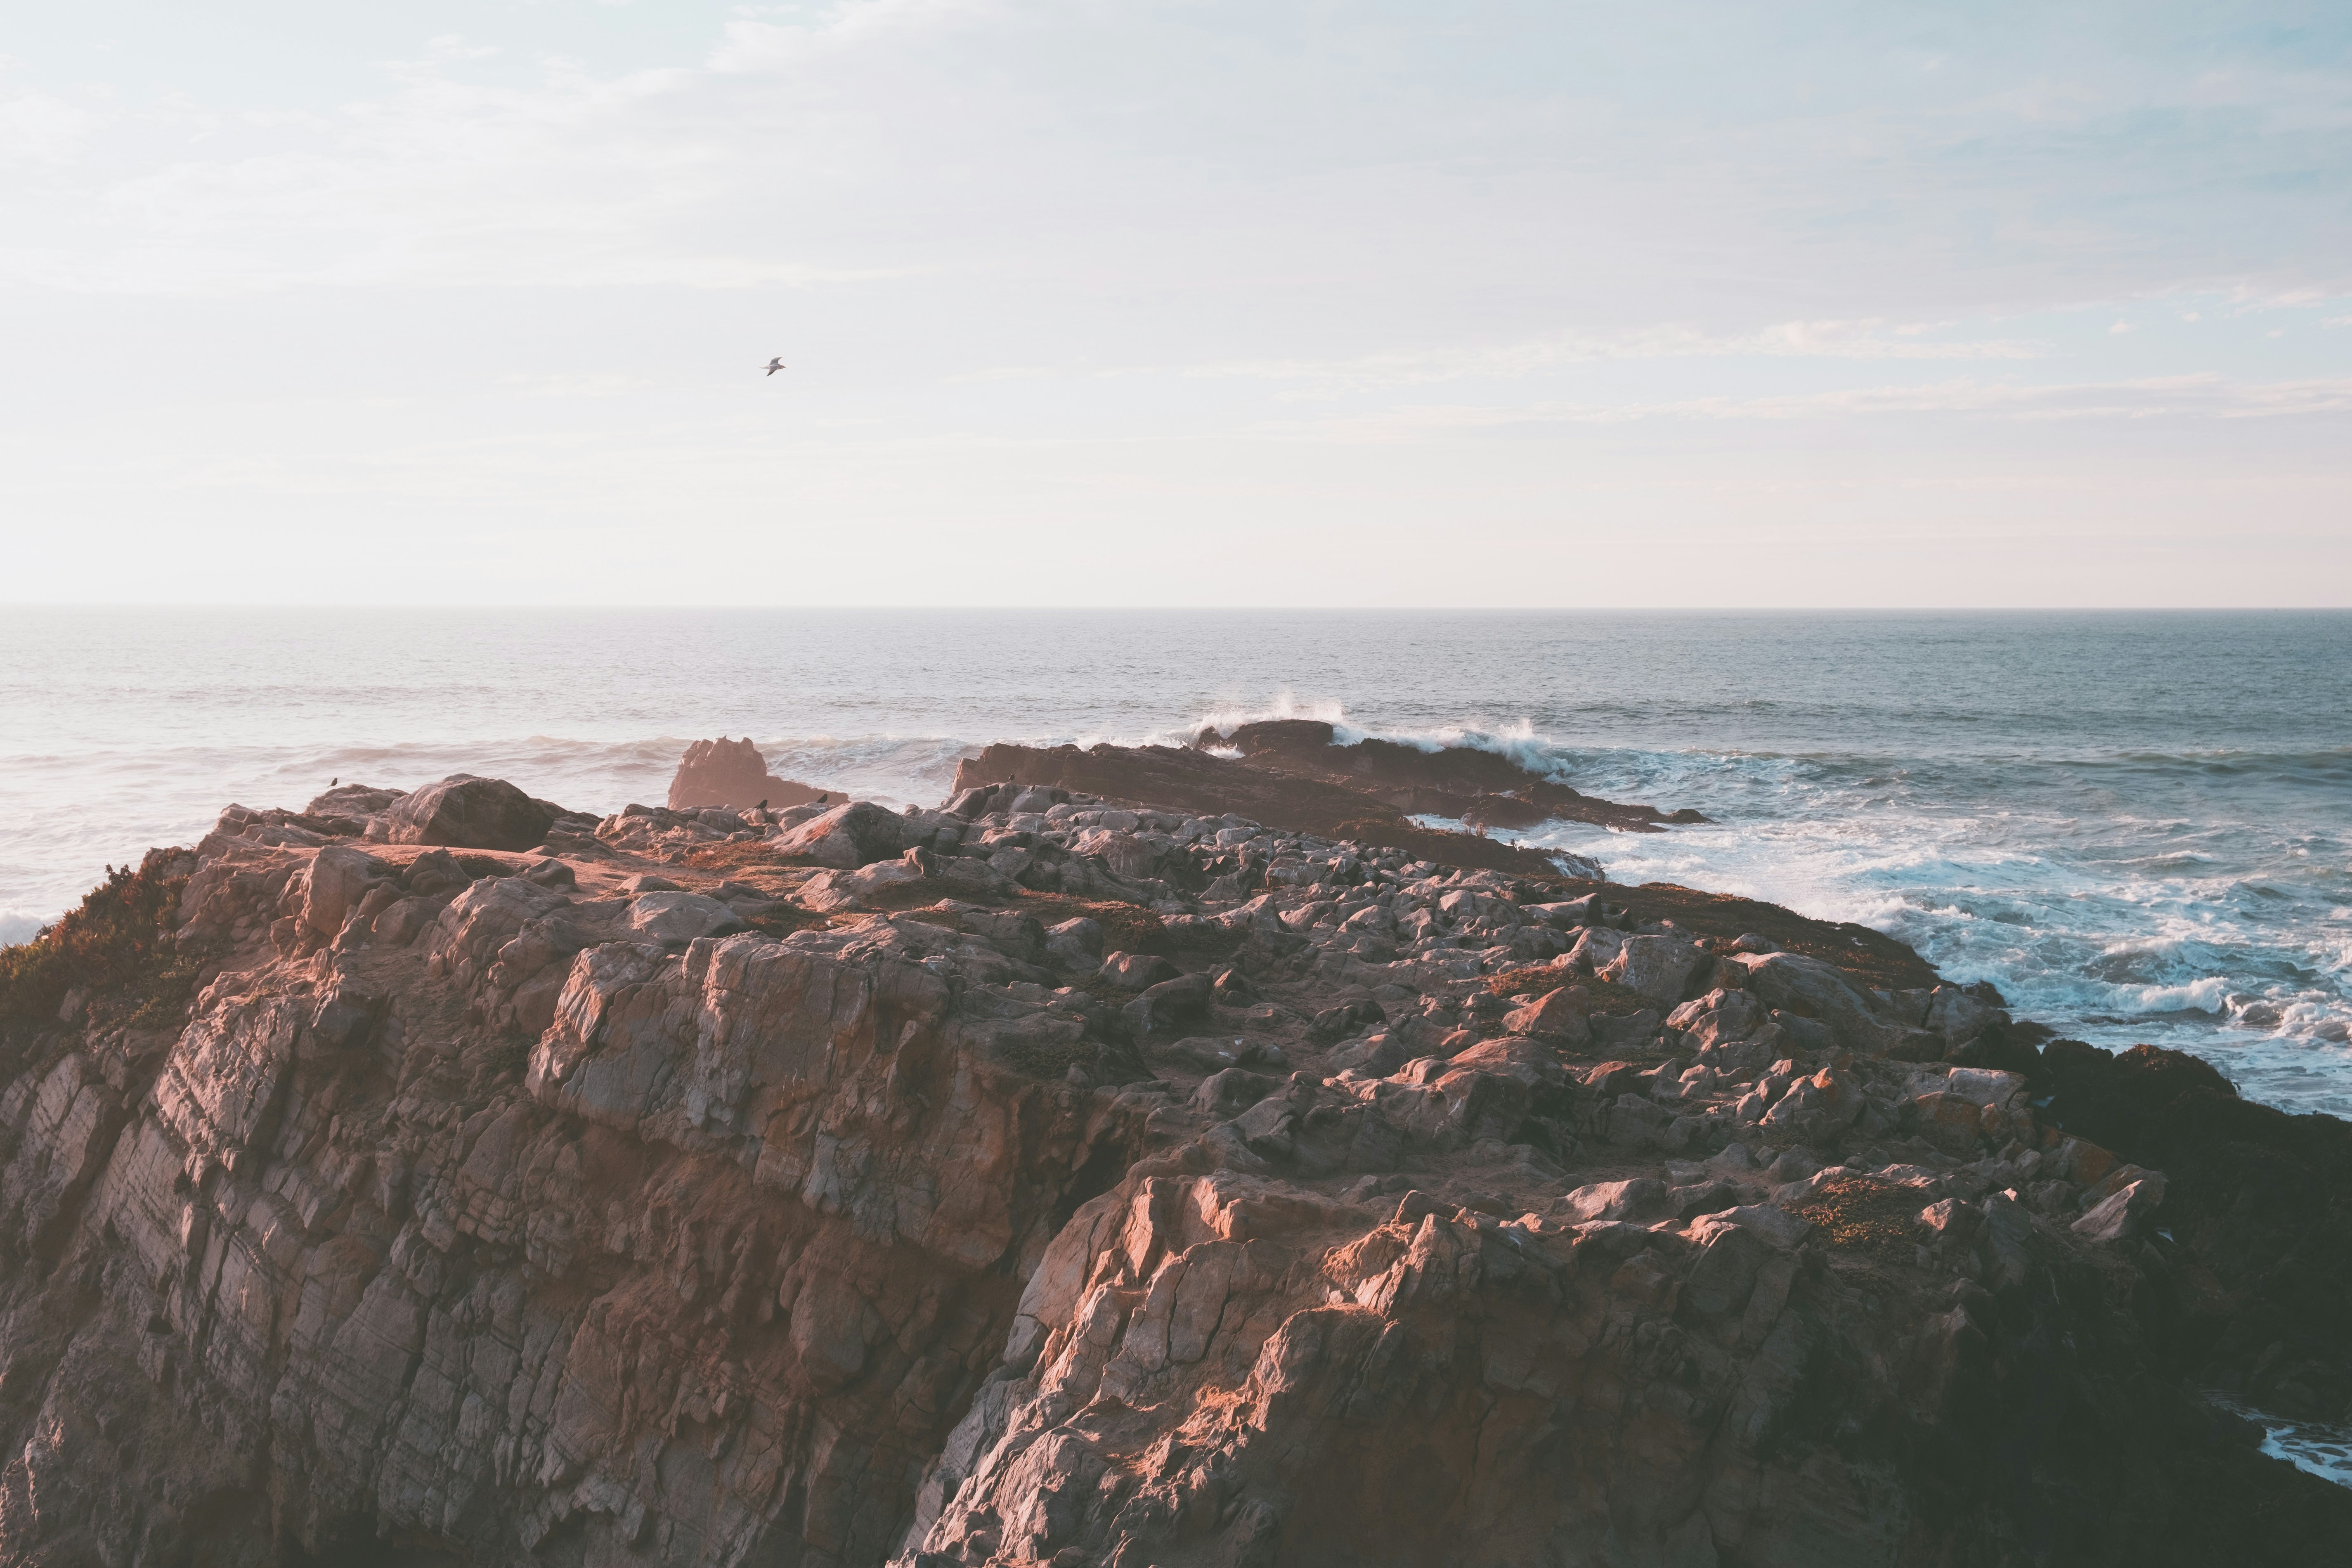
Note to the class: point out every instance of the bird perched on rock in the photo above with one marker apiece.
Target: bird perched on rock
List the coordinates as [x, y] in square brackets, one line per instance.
[775, 365]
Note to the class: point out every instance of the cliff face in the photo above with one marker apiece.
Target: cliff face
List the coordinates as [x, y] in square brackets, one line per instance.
[1047, 1180]
[714, 1262]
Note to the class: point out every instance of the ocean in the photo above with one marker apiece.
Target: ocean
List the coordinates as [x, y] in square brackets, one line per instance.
[2137, 825]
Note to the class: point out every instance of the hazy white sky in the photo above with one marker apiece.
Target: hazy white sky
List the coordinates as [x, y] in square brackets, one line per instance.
[1545, 304]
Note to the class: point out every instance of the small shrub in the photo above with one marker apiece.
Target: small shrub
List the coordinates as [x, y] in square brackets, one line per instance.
[118, 944]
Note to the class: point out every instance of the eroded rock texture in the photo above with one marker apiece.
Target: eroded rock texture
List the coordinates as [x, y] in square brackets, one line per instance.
[1044, 1180]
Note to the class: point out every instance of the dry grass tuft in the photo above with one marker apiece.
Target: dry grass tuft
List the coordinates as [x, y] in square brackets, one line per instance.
[1858, 1214]
[747, 854]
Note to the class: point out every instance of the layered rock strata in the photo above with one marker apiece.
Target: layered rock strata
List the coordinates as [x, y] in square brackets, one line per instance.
[1046, 1180]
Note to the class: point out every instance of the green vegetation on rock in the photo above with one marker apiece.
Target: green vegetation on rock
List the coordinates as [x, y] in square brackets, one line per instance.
[118, 944]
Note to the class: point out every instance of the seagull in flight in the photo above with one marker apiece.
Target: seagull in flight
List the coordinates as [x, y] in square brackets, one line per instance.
[775, 365]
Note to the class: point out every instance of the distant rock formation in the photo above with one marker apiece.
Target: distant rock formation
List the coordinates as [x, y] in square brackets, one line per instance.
[1482, 788]
[725, 773]
[1325, 800]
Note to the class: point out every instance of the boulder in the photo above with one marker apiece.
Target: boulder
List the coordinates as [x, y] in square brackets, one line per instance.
[857, 833]
[1554, 1016]
[339, 878]
[1137, 971]
[1074, 943]
[1983, 1087]
[1659, 967]
[1776, 1225]
[848, 890]
[2125, 1214]
[467, 812]
[1521, 1060]
[1641, 1198]
[1178, 1000]
[676, 918]
[1229, 1092]
[1815, 990]
[1719, 1016]
[1595, 948]
[1376, 1055]
[1337, 1023]
[352, 802]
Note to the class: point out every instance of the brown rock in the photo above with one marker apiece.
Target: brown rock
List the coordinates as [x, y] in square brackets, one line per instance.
[1555, 1014]
[463, 812]
[733, 774]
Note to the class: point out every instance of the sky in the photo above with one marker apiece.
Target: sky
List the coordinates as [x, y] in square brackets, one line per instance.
[1468, 303]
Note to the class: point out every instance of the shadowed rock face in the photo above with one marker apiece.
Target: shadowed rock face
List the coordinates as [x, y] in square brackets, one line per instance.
[724, 772]
[1182, 778]
[1095, 1185]
[1481, 788]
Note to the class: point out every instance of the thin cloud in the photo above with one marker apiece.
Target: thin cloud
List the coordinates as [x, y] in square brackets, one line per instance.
[2196, 395]
[1862, 339]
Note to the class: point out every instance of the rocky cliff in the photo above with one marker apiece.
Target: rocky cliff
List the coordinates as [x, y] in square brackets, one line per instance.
[450, 1178]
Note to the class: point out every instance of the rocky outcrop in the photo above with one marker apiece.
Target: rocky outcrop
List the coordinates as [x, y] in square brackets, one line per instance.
[1049, 1180]
[1467, 782]
[1195, 780]
[724, 772]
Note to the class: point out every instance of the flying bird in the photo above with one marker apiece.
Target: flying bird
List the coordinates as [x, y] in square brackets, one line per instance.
[775, 365]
